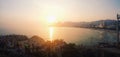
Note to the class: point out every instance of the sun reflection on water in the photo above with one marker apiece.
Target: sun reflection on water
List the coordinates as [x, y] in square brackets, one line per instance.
[51, 30]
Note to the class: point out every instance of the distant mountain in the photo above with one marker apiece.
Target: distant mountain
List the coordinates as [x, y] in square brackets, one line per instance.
[106, 24]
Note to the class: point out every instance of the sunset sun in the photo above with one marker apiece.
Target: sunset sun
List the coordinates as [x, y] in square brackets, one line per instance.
[51, 19]
[59, 28]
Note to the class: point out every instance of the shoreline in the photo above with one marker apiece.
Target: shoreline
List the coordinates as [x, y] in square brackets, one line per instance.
[101, 29]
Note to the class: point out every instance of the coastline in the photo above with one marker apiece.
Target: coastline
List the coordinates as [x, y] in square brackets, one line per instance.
[100, 29]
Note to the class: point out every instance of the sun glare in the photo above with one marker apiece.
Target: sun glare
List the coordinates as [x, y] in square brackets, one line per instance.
[51, 30]
[51, 19]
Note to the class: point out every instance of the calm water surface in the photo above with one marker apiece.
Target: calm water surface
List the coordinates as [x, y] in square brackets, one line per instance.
[78, 35]
[74, 35]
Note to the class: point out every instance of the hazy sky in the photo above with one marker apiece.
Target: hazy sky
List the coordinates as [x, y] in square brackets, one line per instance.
[34, 12]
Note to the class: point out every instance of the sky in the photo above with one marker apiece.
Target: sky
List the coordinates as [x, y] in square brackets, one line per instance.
[34, 13]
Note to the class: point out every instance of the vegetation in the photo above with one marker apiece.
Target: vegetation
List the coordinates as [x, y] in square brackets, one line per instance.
[22, 46]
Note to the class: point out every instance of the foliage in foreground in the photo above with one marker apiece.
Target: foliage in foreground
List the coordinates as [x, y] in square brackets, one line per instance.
[22, 46]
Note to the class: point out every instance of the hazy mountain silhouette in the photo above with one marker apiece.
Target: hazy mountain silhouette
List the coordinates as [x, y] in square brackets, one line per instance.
[108, 24]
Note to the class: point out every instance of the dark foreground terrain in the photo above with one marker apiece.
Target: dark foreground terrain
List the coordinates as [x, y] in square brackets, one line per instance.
[22, 46]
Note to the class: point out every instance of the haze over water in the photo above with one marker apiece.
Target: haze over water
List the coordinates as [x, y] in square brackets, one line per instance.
[74, 35]
[32, 17]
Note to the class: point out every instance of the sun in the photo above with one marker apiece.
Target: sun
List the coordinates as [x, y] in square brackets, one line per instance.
[51, 19]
